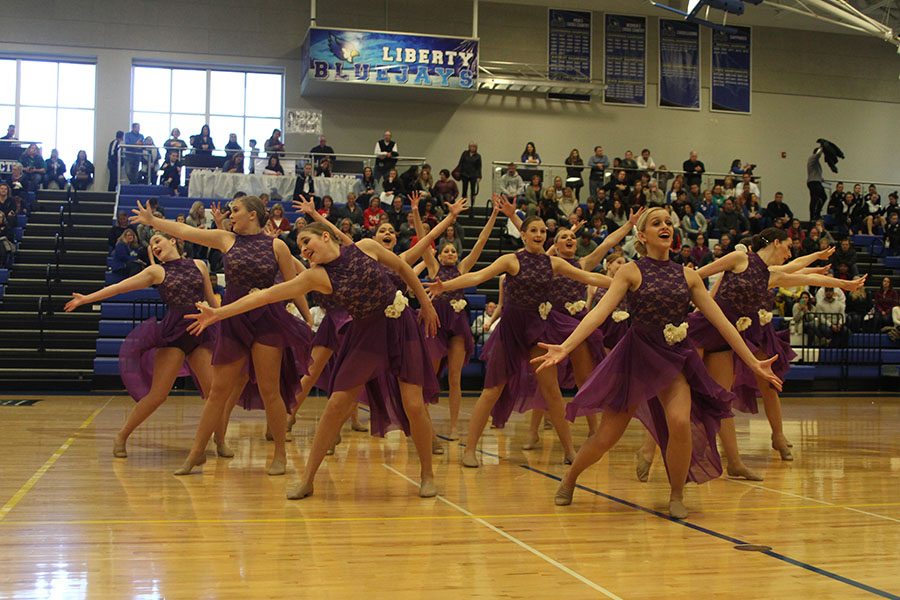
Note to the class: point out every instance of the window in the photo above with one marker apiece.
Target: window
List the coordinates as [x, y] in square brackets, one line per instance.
[51, 102]
[247, 104]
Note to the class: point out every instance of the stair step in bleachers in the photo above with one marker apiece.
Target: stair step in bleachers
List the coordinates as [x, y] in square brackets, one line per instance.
[146, 190]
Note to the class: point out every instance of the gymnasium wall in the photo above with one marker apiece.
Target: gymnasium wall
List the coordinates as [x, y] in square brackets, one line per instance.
[806, 84]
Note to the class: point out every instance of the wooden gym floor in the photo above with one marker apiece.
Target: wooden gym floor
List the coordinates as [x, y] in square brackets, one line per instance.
[76, 523]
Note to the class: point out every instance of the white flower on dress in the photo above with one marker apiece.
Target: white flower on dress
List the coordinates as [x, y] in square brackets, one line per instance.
[743, 323]
[458, 305]
[765, 316]
[675, 334]
[575, 307]
[395, 309]
[292, 309]
[620, 315]
[544, 310]
[254, 290]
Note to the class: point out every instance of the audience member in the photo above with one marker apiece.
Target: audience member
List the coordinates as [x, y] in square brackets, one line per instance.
[396, 214]
[306, 183]
[631, 167]
[196, 218]
[470, 171]
[82, 172]
[323, 169]
[372, 215]
[530, 155]
[777, 208]
[54, 171]
[274, 145]
[445, 189]
[112, 160]
[700, 254]
[7, 202]
[254, 154]
[731, 221]
[873, 213]
[33, 167]
[125, 256]
[273, 166]
[884, 300]
[175, 143]
[7, 237]
[831, 315]
[795, 231]
[451, 236]
[150, 160]
[693, 170]
[814, 181]
[10, 133]
[234, 164]
[424, 182]
[646, 163]
[693, 224]
[352, 211]
[133, 156]
[232, 147]
[277, 221]
[482, 325]
[598, 163]
[859, 311]
[392, 186]
[328, 209]
[322, 150]
[386, 153]
[511, 184]
[845, 255]
[202, 142]
[892, 234]
[170, 174]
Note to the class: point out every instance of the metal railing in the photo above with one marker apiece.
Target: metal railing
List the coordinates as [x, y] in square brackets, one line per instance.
[41, 312]
[144, 309]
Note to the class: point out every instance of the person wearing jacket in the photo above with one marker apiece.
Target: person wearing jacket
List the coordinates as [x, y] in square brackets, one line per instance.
[470, 171]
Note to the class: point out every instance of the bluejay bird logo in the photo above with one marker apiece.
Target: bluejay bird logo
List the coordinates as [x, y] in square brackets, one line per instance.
[343, 50]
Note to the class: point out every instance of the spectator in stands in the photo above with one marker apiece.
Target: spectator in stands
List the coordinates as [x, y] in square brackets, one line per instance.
[367, 185]
[693, 224]
[171, 172]
[254, 154]
[153, 204]
[568, 203]
[777, 208]
[530, 155]
[82, 172]
[693, 170]
[408, 178]
[814, 181]
[700, 254]
[631, 167]
[125, 256]
[7, 203]
[232, 147]
[273, 166]
[54, 171]
[112, 160]
[796, 248]
[118, 228]
[386, 153]
[795, 231]
[322, 150]
[234, 164]
[352, 211]
[151, 161]
[274, 145]
[726, 242]
[707, 207]
[277, 221]
[175, 143]
[655, 196]
[203, 143]
[534, 192]
[860, 314]
[586, 243]
[824, 234]
[618, 183]
[424, 182]
[799, 312]
[133, 156]
[836, 200]
[33, 167]
[396, 214]
[738, 168]
[845, 255]
[372, 215]
[406, 232]
[306, 183]
[511, 184]
[831, 316]
[732, 221]
[729, 189]
[598, 163]
[196, 218]
[481, 326]
[873, 219]
[638, 195]
[7, 238]
[445, 189]
[323, 169]
[144, 233]
[470, 171]
[328, 210]
[885, 299]
[616, 217]
[392, 186]
[574, 179]
[811, 243]
[646, 163]
[892, 234]
[346, 226]
[684, 257]
[746, 182]
[892, 206]
[10, 133]
[756, 216]
[430, 212]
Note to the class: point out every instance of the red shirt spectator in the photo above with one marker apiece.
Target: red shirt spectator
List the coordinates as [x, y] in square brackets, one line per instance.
[372, 215]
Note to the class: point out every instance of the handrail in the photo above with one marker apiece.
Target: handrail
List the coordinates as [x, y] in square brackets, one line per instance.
[49, 290]
[855, 181]
[58, 251]
[284, 155]
[40, 310]
[21, 142]
[610, 169]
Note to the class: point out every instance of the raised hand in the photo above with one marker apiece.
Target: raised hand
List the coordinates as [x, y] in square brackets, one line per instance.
[635, 215]
[218, 214]
[206, 317]
[826, 253]
[414, 200]
[555, 354]
[457, 206]
[578, 225]
[429, 319]
[142, 215]
[76, 301]
[504, 205]
[854, 284]
[434, 288]
[304, 205]
[763, 368]
[270, 230]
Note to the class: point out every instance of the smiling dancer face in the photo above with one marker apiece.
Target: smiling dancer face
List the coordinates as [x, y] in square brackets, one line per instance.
[654, 233]
[566, 243]
[164, 247]
[317, 244]
[534, 233]
[248, 215]
[448, 255]
[386, 236]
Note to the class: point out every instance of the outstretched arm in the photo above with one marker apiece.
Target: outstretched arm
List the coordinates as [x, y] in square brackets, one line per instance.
[733, 261]
[419, 250]
[308, 208]
[469, 261]
[802, 262]
[779, 279]
[704, 302]
[211, 238]
[152, 275]
[561, 267]
[505, 264]
[208, 292]
[590, 262]
[507, 208]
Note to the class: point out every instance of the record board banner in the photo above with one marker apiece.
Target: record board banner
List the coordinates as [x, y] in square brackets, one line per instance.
[625, 60]
[731, 70]
[385, 58]
[679, 64]
[569, 45]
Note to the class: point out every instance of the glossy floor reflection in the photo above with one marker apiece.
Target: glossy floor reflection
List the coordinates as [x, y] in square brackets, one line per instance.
[77, 523]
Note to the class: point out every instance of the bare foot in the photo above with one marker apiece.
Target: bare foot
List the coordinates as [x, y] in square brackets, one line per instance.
[533, 443]
[300, 491]
[188, 467]
[119, 447]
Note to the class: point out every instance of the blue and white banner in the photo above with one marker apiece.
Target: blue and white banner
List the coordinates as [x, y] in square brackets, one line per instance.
[625, 60]
[731, 70]
[679, 64]
[569, 45]
[384, 58]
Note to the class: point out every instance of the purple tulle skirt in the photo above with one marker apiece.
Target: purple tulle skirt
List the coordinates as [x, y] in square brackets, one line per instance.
[138, 351]
[378, 352]
[330, 335]
[453, 324]
[269, 325]
[762, 339]
[642, 365]
[560, 326]
[613, 331]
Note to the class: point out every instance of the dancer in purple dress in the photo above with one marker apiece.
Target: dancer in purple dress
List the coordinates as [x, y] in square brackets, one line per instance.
[156, 352]
[743, 295]
[454, 343]
[383, 337]
[270, 341]
[569, 300]
[679, 403]
[524, 322]
[617, 325]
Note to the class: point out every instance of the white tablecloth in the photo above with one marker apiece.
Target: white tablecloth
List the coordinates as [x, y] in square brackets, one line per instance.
[215, 184]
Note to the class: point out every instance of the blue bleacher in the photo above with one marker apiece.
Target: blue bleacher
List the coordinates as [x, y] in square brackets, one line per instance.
[106, 366]
[4, 275]
[146, 190]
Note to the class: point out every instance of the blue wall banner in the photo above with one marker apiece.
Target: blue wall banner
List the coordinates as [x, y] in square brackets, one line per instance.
[679, 64]
[625, 60]
[731, 70]
[385, 58]
[569, 45]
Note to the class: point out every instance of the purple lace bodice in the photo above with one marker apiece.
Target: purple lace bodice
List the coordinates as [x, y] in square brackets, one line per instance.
[360, 284]
[743, 294]
[323, 301]
[394, 278]
[663, 296]
[446, 273]
[183, 284]
[250, 263]
[529, 288]
[563, 289]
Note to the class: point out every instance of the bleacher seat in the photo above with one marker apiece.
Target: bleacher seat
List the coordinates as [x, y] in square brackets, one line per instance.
[112, 278]
[4, 275]
[476, 301]
[146, 190]
[108, 346]
[114, 329]
[130, 311]
[863, 240]
[892, 262]
[106, 366]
